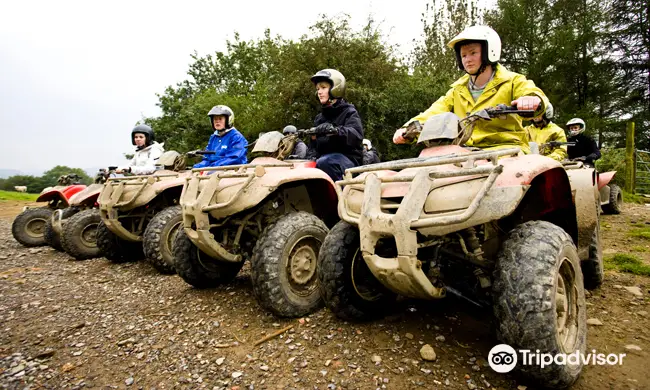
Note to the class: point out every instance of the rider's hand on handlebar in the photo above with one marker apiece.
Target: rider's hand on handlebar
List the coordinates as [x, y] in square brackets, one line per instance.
[326, 129]
[527, 103]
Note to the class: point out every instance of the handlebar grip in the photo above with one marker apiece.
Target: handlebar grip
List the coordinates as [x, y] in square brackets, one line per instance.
[112, 168]
[202, 152]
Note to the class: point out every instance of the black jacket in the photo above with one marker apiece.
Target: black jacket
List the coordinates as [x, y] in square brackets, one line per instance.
[349, 140]
[585, 147]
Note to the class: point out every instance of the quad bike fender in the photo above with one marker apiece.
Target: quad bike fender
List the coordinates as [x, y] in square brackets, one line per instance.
[604, 179]
[86, 197]
[63, 194]
[586, 197]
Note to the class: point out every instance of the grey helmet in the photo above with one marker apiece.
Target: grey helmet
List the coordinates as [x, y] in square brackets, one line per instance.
[143, 129]
[225, 111]
[290, 129]
[334, 78]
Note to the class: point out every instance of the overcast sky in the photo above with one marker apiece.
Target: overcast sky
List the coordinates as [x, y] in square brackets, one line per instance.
[75, 76]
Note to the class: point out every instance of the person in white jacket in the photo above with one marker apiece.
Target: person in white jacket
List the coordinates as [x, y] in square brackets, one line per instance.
[146, 153]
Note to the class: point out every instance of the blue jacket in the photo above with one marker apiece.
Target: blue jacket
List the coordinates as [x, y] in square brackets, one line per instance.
[230, 148]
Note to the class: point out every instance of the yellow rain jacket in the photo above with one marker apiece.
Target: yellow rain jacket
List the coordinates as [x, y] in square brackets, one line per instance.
[505, 87]
[548, 133]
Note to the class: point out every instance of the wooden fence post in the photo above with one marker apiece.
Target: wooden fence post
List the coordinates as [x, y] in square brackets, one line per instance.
[630, 166]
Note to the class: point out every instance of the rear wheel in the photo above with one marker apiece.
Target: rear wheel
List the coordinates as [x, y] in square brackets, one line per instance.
[29, 226]
[284, 265]
[347, 285]
[114, 248]
[79, 238]
[158, 238]
[52, 238]
[615, 200]
[539, 300]
[197, 267]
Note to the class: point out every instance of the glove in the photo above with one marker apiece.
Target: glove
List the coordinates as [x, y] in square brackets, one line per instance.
[326, 129]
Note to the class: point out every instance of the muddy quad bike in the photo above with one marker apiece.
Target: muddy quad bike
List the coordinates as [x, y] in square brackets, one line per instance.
[74, 228]
[272, 212]
[611, 196]
[140, 214]
[29, 227]
[504, 229]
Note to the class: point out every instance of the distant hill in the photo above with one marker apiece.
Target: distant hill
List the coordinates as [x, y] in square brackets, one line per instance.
[5, 173]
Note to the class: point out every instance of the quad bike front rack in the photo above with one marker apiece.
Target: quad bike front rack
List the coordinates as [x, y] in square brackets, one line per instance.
[196, 206]
[403, 274]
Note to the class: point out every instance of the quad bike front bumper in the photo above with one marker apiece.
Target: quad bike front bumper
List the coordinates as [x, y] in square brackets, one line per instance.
[473, 200]
[216, 193]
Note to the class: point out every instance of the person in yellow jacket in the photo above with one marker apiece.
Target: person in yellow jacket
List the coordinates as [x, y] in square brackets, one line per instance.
[486, 84]
[542, 131]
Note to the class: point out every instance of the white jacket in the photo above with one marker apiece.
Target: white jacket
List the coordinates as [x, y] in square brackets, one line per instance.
[144, 160]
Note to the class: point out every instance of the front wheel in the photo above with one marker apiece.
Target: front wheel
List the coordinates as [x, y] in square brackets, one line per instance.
[539, 300]
[284, 264]
[114, 248]
[197, 267]
[29, 226]
[347, 285]
[52, 238]
[79, 236]
[615, 200]
[158, 238]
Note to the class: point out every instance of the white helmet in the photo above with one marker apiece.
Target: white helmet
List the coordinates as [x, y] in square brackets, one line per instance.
[576, 121]
[225, 111]
[367, 143]
[486, 36]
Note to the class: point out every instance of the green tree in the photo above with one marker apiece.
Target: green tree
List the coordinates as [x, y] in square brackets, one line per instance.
[51, 176]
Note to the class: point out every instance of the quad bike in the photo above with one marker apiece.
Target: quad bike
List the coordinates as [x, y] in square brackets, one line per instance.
[507, 230]
[74, 228]
[29, 227]
[272, 212]
[611, 196]
[140, 214]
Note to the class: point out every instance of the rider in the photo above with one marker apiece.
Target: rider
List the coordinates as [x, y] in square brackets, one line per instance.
[227, 142]
[147, 151]
[339, 132]
[300, 149]
[585, 148]
[543, 131]
[486, 84]
[370, 155]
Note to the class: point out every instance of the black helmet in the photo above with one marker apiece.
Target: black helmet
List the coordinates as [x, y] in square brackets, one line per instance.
[143, 129]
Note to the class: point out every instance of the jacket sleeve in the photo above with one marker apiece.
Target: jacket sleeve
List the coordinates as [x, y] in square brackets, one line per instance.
[150, 164]
[595, 152]
[236, 153]
[300, 151]
[205, 162]
[443, 104]
[352, 129]
[521, 86]
[558, 153]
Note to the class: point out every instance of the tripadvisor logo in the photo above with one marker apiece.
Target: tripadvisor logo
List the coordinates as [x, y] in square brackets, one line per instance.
[503, 358]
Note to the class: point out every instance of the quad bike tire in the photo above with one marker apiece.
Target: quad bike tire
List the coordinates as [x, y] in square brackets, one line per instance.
[347, 285]
[158, 239]
[28, 227]
[285, 262]
[114, 248]
[615, 200]
[79, 236]
[52, 238]
[593, 270]
[539, 299]
[198, 268]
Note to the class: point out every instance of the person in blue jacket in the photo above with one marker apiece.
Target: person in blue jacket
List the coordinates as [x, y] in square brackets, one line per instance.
[228, 143]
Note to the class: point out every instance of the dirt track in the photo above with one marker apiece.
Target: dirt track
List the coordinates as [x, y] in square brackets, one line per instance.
[94, 324]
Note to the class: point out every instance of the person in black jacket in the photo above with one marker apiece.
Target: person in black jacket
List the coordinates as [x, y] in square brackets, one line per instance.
[585, 148]
[370, 155]
[337, 144]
